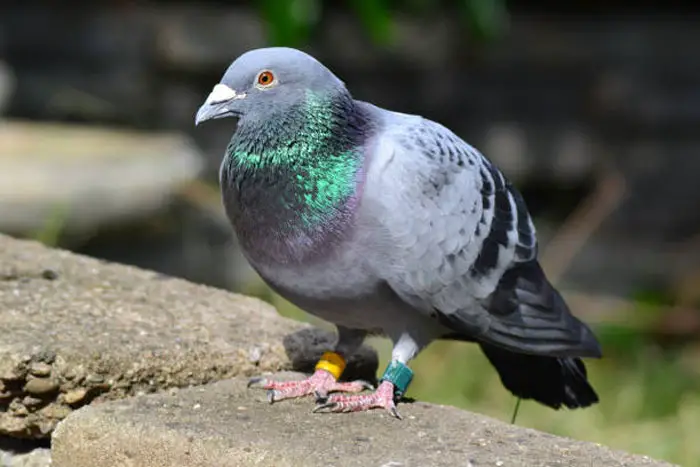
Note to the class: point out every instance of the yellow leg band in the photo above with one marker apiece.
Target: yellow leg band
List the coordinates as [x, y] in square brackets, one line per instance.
[333, 363]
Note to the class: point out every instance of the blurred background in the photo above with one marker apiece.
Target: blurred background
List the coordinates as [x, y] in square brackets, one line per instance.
[592, 111]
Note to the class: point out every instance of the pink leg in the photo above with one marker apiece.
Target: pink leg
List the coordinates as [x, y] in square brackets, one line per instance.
[383, 397]
[321, 383]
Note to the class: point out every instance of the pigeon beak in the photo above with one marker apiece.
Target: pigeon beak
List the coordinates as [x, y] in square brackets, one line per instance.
[218, 103]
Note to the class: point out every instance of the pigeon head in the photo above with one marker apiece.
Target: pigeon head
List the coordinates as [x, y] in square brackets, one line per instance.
[264, 82]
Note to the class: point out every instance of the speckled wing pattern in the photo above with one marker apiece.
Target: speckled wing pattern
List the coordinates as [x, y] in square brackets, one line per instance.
[466, 245]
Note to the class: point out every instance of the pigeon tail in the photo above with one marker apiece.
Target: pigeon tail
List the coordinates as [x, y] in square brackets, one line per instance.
[548, 380]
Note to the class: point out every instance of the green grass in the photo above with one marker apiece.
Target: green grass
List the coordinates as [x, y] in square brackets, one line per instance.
[650, 400]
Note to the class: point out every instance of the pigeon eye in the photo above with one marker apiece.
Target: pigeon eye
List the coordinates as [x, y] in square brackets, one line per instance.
[265, 78]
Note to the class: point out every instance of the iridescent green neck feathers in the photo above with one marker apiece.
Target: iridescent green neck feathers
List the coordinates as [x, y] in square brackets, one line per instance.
[295, 174]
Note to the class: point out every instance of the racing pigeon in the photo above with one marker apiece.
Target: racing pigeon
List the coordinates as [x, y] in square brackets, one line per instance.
[387, 223]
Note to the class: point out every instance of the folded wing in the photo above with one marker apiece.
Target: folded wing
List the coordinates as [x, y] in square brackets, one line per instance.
[463, 244]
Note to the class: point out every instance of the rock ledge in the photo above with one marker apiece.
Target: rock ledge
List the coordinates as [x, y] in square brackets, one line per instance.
[76, 330]
[225, 424]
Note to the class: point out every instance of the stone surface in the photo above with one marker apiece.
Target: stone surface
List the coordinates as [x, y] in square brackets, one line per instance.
[23, 453]
[40, 457]
[84, 178]
[77, 330]
[225, 424]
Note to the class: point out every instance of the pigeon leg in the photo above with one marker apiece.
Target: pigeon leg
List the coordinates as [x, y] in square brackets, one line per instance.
[396, 379]
[383, 397]
[321, 383]
[325, 378]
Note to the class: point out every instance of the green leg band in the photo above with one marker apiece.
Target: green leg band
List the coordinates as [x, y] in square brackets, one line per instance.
[399, 375]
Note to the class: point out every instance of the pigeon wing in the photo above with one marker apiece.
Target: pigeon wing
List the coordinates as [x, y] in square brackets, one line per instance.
[462, 244]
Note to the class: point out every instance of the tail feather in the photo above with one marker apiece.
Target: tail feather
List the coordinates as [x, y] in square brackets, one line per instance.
[550, 381]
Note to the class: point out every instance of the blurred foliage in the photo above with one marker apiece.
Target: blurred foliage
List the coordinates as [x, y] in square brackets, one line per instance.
[53, 228]
[290, 22]
[487, 18]
[650, 397]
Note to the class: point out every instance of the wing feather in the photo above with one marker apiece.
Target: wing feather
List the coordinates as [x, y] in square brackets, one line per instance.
[462, 246]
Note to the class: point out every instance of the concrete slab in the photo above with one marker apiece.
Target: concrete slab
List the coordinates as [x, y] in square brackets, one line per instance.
[225, 424]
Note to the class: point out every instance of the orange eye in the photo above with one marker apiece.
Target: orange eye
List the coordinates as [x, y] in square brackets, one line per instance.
[265, 78]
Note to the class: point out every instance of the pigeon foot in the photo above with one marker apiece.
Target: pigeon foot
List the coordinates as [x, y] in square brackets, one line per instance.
[321, 383]
[383, 397]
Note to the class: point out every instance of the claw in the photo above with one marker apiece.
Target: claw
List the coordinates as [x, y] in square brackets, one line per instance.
[395, 413]
[320, 398]
[366, 385]
[258, 380]
[325, 405]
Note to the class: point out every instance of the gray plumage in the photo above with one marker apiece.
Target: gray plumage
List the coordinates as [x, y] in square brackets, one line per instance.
[432, 241]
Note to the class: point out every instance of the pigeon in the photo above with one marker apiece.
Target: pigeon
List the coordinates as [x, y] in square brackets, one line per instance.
[386, 223]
